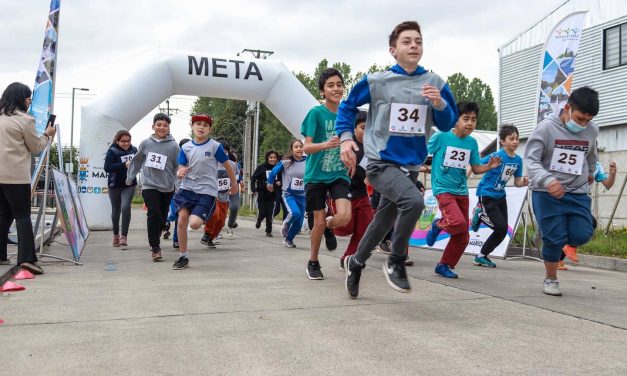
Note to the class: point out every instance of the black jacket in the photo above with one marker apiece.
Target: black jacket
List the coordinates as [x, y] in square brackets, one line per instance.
[259, 180]
[115, 167]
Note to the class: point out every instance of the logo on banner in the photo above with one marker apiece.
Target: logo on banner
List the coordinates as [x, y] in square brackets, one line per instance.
[83, 168]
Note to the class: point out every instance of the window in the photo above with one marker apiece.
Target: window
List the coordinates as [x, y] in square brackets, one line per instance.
[615, 46]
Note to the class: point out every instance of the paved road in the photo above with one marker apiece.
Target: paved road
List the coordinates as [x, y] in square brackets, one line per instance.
[248, 308]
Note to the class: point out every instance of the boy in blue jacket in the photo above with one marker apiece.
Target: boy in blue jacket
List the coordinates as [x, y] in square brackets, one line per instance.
[405, 101]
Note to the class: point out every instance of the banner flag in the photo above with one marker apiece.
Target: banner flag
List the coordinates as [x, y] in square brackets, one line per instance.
[43, 91]
[558, 64]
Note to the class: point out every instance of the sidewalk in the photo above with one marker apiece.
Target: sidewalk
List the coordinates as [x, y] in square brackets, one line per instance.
[248, 308]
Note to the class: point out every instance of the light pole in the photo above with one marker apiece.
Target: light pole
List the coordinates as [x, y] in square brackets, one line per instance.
[72, 125]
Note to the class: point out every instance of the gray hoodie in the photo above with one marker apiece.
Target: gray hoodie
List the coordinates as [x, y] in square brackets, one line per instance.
[553, 150]
[158, 160]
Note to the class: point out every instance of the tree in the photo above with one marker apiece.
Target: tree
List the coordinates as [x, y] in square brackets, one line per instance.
[229, 117]
[54, 157]
[475, 91]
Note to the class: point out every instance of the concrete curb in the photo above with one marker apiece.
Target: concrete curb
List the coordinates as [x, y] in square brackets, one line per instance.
[6, 272]
[601, 262]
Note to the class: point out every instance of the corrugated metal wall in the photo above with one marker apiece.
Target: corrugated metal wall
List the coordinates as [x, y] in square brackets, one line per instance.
[519, 74]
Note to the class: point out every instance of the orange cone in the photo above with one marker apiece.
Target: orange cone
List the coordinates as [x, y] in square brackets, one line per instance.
[23, 274]
[1, 321]
[145, 207]
[11, 286]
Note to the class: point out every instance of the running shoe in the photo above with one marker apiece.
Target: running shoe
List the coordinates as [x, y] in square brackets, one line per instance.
[433, 233]
[313, 270]
[285, 229]
[329, 240]
[571, 252]
[289, 243]
[561, 266]
[181, 263]
[552, 287]
[445, 271]
[481, 260]
[205, 239]
[353, 275]
[396, 275]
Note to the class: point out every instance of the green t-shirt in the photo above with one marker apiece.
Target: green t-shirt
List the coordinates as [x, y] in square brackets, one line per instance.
[324, 166]
[451, 156]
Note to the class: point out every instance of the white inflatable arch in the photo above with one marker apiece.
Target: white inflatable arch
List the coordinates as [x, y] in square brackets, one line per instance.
[182, 73]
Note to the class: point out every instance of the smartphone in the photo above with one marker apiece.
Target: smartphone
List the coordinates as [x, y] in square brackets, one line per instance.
[51, 120]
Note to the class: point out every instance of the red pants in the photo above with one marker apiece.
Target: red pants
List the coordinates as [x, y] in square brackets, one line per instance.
[360, 219]
[454, 221]
[214, 225]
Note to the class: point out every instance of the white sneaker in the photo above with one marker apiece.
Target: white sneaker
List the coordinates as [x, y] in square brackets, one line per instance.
[552, 287]
[289, 244]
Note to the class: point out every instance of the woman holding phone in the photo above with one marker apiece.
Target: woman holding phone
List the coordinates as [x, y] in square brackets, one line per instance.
[18, 140]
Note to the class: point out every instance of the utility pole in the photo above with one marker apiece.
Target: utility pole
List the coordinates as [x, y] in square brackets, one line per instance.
[167, 110]
[251, 130]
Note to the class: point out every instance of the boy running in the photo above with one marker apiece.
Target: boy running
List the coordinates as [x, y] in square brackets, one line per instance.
[492, 206]
[561, 157]
[195, 200]
[453, 152]
[405, 101]
[324, 170]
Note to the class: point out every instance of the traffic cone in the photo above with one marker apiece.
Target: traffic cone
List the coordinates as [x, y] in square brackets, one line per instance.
[23, 274]
[11, 286]
[145, 207]
[1, 321]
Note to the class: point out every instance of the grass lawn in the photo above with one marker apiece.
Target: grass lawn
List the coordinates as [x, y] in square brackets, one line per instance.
[612, 245]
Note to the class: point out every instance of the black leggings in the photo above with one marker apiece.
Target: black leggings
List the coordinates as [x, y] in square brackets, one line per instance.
[495, 217]
[158, 204]
[15, 204]
[121, 204]
[266, 211]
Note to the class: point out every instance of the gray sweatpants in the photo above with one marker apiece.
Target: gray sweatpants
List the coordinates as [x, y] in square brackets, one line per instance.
[121, 204]
[400, 207]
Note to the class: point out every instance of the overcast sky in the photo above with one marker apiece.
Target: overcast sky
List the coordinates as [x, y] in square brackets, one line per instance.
[101, 42]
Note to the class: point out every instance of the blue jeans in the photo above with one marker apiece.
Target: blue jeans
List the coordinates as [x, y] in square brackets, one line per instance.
[562, 221]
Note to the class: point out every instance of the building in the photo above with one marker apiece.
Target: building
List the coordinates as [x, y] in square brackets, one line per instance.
[601, 64]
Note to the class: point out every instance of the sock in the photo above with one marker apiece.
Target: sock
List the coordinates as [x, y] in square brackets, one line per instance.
[183, 254]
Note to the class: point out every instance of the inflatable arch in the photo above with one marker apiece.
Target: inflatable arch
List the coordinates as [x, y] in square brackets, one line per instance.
[171, 73]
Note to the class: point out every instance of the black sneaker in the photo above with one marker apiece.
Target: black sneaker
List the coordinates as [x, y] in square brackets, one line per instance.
[396, 275]
[205, 239]
[258, 224]
[235, 225]
[329, 240]
[181, 263]
[166, 231]
[269, 235]
[313, 270]
[353, 274]
[210, 244]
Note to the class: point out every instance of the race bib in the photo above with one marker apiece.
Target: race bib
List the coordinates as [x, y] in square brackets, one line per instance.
[297, 184]
[127, 158]
[364, 163]
[224, 184]
[408, 118]
[156, 160]
[567, 161]
[508, 172]
[456, 157]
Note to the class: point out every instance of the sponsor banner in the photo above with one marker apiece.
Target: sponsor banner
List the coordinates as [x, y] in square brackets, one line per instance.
[558, 64]
[68, 214]
[43, 91]
[515, 200]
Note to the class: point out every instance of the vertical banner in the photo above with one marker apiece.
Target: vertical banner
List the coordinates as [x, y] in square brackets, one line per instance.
[515, 200]
[43, 91]
[558, 64]
[68, 215]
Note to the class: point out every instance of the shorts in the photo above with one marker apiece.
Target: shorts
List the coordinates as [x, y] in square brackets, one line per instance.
[198, 204]
[316, 193]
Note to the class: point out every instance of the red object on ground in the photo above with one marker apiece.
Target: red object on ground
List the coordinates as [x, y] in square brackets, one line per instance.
[11, 286]
[1, 321]
[23, 274]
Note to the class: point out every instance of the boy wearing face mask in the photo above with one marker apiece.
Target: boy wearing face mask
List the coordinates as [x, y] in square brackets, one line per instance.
[561, 157]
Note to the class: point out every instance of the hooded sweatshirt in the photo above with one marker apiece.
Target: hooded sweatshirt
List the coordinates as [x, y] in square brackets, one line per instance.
[399, 117]
[115, 165]
[259, 180]
[157, 160]
[555, 153]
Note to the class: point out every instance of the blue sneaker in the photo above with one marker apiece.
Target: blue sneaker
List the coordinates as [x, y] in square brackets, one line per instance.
[445, 271]
[481, 260]
[433, 233]
[476, 218]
